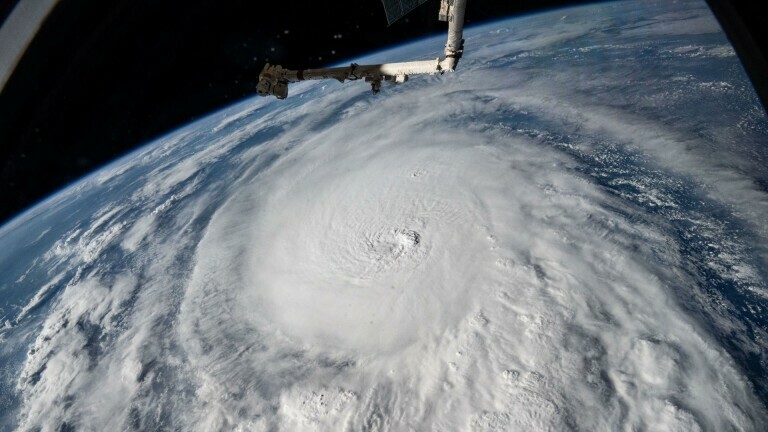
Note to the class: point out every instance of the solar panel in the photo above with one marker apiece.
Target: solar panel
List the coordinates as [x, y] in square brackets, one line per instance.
[396, 9]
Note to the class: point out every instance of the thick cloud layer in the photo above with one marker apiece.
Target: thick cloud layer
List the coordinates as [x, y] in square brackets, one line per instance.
[541, 241]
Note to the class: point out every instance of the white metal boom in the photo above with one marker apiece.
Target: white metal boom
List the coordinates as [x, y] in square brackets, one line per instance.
[274, 79]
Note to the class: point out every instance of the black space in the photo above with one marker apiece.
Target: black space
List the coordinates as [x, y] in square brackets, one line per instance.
[103, 77]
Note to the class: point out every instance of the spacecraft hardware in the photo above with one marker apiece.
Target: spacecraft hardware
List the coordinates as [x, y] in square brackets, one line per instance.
[274, 79]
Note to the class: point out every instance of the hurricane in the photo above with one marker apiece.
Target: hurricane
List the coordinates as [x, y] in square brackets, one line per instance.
[565, 234]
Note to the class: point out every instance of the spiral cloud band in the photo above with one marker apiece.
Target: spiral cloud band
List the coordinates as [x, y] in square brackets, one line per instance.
[445, 279]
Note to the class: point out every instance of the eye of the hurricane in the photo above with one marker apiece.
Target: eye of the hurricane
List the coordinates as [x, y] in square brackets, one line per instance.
[383, 249]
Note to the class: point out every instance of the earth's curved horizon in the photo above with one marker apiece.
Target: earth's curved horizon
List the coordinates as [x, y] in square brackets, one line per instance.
[567, 233]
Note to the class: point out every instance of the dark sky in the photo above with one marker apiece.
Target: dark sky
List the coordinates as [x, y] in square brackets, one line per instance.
[103, 77]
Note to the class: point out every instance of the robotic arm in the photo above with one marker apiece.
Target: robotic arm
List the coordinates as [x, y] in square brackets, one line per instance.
[274, 79]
